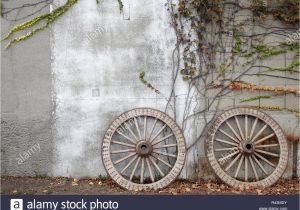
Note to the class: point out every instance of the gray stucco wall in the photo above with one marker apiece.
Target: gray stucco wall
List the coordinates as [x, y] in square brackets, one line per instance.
[62, 88]
[26, 102]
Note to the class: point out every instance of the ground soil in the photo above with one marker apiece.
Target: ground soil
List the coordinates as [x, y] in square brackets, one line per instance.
[62, 185]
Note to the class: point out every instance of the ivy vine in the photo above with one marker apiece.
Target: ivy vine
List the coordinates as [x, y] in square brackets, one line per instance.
[47, 17]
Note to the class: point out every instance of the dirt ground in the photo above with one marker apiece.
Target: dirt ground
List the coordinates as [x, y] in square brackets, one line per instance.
[61, 185]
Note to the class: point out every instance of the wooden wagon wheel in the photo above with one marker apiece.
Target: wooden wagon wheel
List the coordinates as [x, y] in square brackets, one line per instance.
[247, 148]
[143, 149]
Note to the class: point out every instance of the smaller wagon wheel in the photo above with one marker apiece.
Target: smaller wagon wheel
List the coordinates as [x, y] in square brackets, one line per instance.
[143, 149]
[247, 148]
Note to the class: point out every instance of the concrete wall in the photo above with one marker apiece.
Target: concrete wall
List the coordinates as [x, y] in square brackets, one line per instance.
[26, 102]
[62, 88]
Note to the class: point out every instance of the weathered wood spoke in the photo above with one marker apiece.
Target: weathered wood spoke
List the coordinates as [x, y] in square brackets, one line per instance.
[165, 154]
[121, 143]
[239, 166]
[124, 158]
[141, 149]
[226, 149]
[228, 135]
[164, 162]
[226, 142]
[122, 151]
[130, 162]
[251, 144]
[162, 139]
[233, 162]
[233, 131]
[165, 146]
[239, 127]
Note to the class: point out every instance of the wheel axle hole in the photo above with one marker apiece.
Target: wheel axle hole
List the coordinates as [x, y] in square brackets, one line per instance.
[144, 147]
[248, 146]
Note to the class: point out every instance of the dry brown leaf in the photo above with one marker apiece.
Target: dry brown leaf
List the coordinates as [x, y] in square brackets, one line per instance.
[259, 191]
[241, 187]
[74, 184]
[208, 185]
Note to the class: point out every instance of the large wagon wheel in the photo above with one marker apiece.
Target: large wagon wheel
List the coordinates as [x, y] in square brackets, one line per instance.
[247, 148]
[143, 149]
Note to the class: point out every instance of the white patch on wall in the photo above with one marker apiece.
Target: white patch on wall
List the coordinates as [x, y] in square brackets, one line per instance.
[97, 54]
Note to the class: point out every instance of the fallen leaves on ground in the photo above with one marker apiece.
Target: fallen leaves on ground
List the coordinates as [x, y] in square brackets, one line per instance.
[62, 185]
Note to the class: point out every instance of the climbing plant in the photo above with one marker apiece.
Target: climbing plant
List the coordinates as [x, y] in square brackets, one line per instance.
[220, 44]
[48, 18]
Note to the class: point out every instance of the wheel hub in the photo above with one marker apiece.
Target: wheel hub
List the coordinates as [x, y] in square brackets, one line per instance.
[247, 148]
[144, 148]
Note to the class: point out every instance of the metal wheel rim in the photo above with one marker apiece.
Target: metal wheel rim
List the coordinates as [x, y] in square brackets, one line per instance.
[249, 160]
[149, 161]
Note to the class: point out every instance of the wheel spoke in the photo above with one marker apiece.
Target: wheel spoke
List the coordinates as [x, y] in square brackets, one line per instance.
[124, 158]
[134, 169]
[226, 149]
[267, 145]
[232, 138]
[239, 127]
[253, 128]
[246, 127]
[157, 167]
[239, 166]
[265, 138]
[142, 171]
[267, 153]
[233, 162]
[152, 128]
[260, 165]
[122, 151]
[226, 142]
[165, 154]
[126, 137]
[257, 135]
[228, 156]
[145, 127]
[158, 132]
[121, 143]
[129, 164]
[246, 168]
[233, 131]
[162, 139]
[136, 138]
[253, 168]
[165, 146]
[150, 170]
[164, 162]
[137, 128]
[264, 159]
